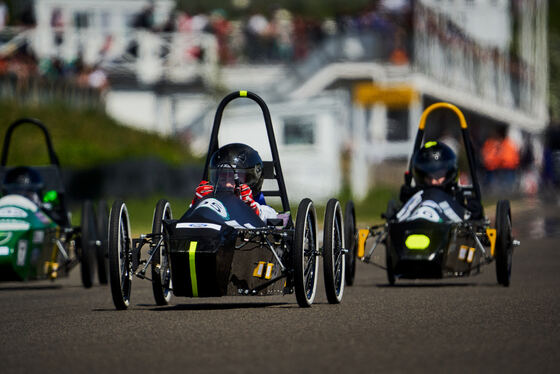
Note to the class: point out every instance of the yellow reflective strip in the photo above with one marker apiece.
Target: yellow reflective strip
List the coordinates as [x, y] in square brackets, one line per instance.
[463, 252]
[492, 236]
[362, 237]
[268, 273]
[243, 93]
[429, 144]
[257, 273]
[470, 257]
[192, 251]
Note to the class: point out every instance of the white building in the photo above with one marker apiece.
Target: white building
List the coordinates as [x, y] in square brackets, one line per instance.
[460, 54]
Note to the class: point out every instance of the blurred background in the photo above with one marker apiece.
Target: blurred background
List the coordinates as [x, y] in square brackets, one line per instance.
[129, 89]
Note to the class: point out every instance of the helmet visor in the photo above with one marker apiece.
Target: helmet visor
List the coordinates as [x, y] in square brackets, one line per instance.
[227, 178]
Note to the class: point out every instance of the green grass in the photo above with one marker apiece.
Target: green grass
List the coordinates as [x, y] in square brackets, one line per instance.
[83, 138]
[141, 210]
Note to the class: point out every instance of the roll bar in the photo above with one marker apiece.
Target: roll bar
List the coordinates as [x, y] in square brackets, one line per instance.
[466, 141]
[8, 137]
[213, 146]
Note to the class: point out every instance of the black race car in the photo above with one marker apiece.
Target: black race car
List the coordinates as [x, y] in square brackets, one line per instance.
[426, 238]
[221, 247]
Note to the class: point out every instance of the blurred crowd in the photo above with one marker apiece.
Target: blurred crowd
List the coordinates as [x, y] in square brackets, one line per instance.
[22, 65]
[278, 37]
[282, 36]
[18, 60]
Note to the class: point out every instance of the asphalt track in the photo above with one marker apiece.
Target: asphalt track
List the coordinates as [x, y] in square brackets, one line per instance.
[459, 325]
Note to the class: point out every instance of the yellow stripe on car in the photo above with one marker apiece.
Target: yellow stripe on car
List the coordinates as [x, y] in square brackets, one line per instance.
[192, 252]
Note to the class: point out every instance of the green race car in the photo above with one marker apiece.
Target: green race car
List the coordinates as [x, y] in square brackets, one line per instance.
[37, 240]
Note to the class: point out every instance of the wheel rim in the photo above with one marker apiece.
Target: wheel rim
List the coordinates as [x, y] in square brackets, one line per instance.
[161, 269]
[124, 259]
[338, 256]
[164, 268]
[509, 254]
[309, 259]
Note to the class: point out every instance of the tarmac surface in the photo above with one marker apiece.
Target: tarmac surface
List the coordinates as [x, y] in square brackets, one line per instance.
[452, 325]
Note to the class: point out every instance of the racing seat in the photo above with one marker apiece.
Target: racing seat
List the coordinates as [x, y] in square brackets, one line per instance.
[284, 218]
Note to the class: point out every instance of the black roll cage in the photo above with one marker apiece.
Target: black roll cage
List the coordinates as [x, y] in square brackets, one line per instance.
[8, 137]
[272, 169]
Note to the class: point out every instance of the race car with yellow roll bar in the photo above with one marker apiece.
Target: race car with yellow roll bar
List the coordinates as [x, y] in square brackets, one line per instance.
[220, 247]
[37, 239]
[432, 245]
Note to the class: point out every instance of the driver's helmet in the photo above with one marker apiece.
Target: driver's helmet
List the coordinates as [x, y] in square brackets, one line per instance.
[434, 165]
[237, 163]
[23, 180]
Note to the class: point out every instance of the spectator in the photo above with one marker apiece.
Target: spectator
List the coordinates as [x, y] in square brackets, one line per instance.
[500, 157]
[3, 15]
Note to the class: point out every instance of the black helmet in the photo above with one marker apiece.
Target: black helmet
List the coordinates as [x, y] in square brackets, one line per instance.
[22, 180]
[242, 159]
[435, 164]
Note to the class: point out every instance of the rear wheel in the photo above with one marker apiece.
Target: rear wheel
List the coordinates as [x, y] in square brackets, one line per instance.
[161, 271]
[103, 236]
[504, 243]
[87, 244]
[350, 242]
[333, 252]
[389, 263]
[120, 255]
[306, 264]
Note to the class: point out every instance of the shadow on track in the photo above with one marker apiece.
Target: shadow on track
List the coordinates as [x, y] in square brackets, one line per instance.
[31, 287]
[426, 285]
[211, 306]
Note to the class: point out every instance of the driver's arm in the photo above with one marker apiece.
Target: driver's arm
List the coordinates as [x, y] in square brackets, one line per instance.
[204, 188]
[263, 211]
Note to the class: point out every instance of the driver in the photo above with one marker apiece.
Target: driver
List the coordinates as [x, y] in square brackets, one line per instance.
[24, 181]
[435, 173]
[237, 166]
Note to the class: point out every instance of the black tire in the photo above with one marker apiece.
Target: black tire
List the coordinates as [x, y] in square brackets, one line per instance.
[306, 263]
[161, 270]
[120, 255]
[87, 244]
[350, 235]
[504, 243]
[389, 264]
[333, 256]
[102, 251]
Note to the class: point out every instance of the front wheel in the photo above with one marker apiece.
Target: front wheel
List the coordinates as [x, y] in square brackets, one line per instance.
[350, 236]
[87, 244]
[504, 243]
[161, 270]
[305, 249]
[333, 252]
[102, 234]
[120, 255]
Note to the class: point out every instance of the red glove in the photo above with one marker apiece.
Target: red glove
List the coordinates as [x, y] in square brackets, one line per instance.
[203, 189]
[247, 196]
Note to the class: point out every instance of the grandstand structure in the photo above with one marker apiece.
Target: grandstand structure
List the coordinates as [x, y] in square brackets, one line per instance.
[356, 95]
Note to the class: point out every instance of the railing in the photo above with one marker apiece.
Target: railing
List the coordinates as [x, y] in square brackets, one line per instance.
[447, 55]
[39, 90]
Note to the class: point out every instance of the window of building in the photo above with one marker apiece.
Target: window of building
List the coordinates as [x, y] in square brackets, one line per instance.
[397, 124]
[299, 130]
[81, 20]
